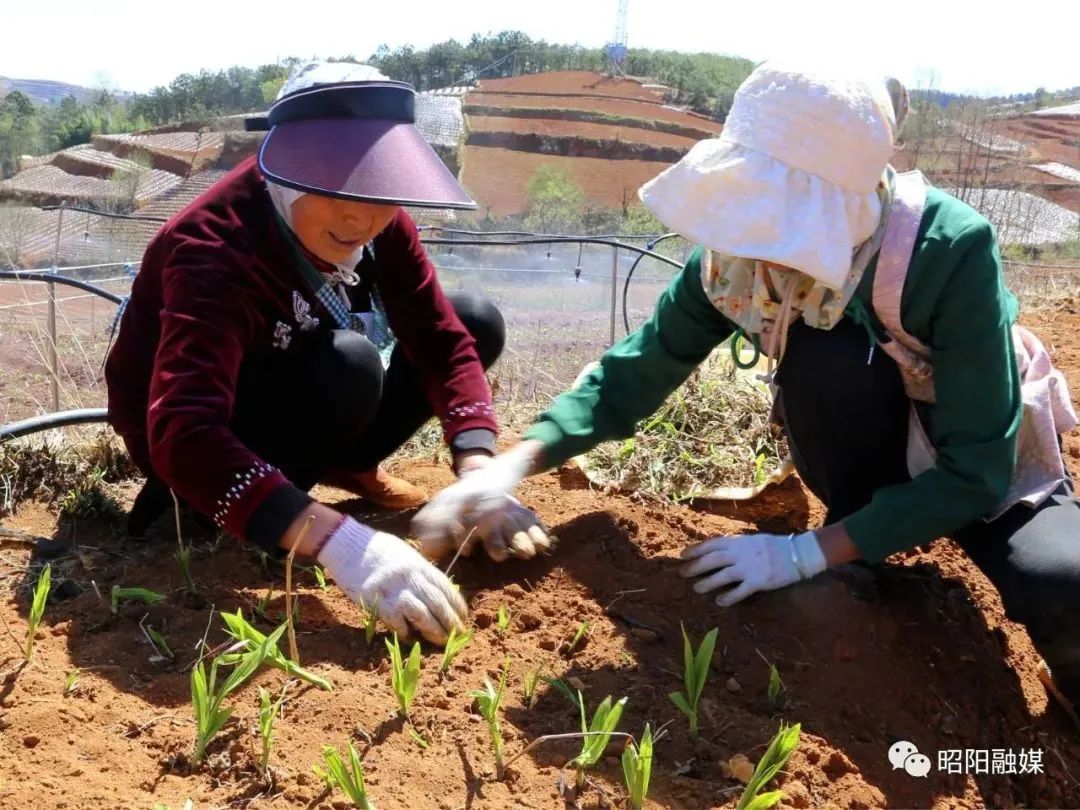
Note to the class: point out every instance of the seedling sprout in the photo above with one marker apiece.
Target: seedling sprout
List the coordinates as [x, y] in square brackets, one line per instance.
[143, 595]
[488, 701]
[775, 757]
[404, 674]
[597, 734]
[37, 609]
[454, 645]
[350, 780]
[695, 672]
[637, 768]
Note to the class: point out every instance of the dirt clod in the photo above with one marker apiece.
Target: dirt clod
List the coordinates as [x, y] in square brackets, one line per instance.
[31, 740]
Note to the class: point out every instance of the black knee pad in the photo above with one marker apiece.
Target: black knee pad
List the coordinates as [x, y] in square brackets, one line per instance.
[484, 322]
[345, 374]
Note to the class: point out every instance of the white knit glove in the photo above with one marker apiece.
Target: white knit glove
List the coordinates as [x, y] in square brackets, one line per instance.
[411, 592]
[479, 508]
[752, 563]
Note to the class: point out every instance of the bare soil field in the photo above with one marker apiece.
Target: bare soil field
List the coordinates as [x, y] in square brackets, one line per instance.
[916, 649]
[614, 106]
[498, 177]
[578, 129]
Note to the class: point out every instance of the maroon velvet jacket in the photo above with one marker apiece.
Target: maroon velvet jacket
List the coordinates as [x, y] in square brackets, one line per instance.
[214, 283]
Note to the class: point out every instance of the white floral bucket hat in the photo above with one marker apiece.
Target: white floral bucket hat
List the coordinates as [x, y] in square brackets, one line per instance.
[793, 178]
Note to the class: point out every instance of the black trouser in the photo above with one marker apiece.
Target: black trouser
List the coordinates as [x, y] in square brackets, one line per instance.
[847, 422]
[326, 403]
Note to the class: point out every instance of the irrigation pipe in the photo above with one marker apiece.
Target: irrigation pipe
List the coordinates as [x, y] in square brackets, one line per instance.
[49, 278]
[36, 424]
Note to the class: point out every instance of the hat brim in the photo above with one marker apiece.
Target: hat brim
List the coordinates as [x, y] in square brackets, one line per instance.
[366, 160]
[744, 203]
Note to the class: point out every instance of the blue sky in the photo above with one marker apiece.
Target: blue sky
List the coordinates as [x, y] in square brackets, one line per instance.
[956, 45]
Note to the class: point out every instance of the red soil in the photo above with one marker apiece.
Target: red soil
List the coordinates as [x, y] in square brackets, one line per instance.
[925, 655]
[498, 177]
[627, 107]
[571, 82]
[578, 129]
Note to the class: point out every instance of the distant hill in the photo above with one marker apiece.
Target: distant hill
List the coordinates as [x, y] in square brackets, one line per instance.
[48, 92]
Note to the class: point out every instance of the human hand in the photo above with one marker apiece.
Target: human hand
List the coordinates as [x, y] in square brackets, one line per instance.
[752, 563]
[509, 529]
[479, 504]
[379, 569]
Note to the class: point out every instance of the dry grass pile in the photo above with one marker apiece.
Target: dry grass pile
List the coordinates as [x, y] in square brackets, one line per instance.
[712, 432]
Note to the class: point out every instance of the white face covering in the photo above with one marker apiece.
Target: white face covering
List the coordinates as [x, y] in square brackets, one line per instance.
[309, 75]
[283, 198]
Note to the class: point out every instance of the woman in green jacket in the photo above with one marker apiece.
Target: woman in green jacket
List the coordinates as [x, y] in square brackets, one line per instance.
[902, 381]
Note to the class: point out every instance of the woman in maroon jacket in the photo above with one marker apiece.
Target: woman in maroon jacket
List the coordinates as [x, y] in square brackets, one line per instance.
[247, 366]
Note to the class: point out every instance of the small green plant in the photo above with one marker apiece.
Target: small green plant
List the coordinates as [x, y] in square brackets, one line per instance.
[579, 635]
[268, 711]
[320, 577]
[263, 605]
[350, 780]
[71, 681]
[159, 643]
[695, 673]
[240, 629]
[404, 674]
[488, 701]
[183, 558]
[371, 617]
[637, 768]
[324, 777]
[532, 677]
[207, 698]
[37, 609]
[597, 734]
[454, 645]
[502, 620]
[563, 688]
[418, 738]
[143, 595]
[87, 499]
[775, 757]
[775, 690]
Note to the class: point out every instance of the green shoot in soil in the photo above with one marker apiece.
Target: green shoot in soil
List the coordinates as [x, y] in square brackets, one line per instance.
[350, 780]
[207, 698]
[598, 734]
[454, 645]
[159, 643]
[371, 616]
[71, 682]
[239, 628]
[532, 677]
[37, 609]
[775, 689]
[267, 712]
[134, 594]
[263, 605]
[775, 757]
[183, 558]
[637, 768]
[419, 739]
[488, 701]
[320, 577]
[695, 672]
[503, 620]
[404, 674]
[580, 633]
[563, 688]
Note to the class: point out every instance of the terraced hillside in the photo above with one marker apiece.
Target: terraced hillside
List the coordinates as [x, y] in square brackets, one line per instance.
[610, 134]
[153, 175]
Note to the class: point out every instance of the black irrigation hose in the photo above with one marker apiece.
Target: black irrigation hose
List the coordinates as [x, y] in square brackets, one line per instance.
[83, 416]
[554, 240]
[106, 214]
[49, 278]
[630, 275]
[559, 236]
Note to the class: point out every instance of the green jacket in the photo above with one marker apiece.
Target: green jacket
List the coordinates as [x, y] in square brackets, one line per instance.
[954, 300]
